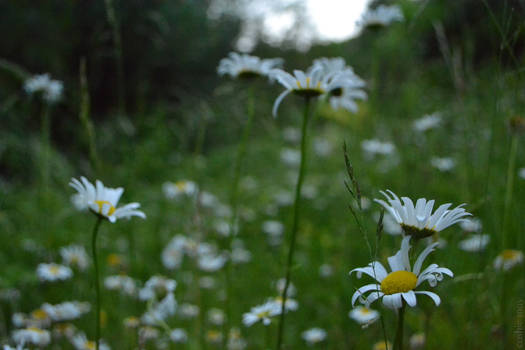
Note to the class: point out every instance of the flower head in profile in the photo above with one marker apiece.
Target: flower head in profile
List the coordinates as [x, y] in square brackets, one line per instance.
[427, 122]
[53, 272]
[262, 313]
[32, 335]
[381, 16]
[507, 259]
[399, 286]
[475, 243]
[102, 200]
[246, 66]
[313, 83]
[50, 89]
[363, 315]
[418, 220]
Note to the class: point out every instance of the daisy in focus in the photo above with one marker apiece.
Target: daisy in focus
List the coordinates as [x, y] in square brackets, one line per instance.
[381, 16]
[398, 287]
[507, 259]
[418, 220]
[53, 272]
[363, 315]
[246, 66]
[102, 200]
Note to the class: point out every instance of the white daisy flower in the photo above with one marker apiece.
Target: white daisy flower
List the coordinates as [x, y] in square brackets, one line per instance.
[103, 200]
[216, 316]
[131, 322]
[157, 286]
[38, 318]
[212, 262]
[80, 342]
[235, 341]
[326, 271]
[75, 256]
[443, 164]
[261, 313]
[363, 315]
[417, 341]
[273, 228]
[310, 84]
[399, 286]
[427, 122]
[180, 188]
[19, 347]
[322, 147]
[471, 225]
[280, 287]
[160, 311]
[292, 135]
[147, 333]
[418, 220]
[32, 335]
[291, 157]
[173, 254]
[475, 243]
[42, 83]
[188, 310]
[390, 225]
[53, 272]
[122, 283]
[521, 173]
[178, 335]
[374, 146]
[239, 254]
[207, 282]
[66, 311]
[507, 259]
[290, 305]
[246, 66]
[381, 16]
[313, 336]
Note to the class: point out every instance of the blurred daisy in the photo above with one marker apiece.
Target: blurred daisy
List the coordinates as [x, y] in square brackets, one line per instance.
[159, 311]
[280, 287]
[64, 330]
[184, 187]
[309, 84]
[521, 173]
[53, 272]
[443, 164]
[50, 89]
[80, 342]
[216, 316]
[475, 243]
[19, 347]
[131, 322]
[66, 311]
[380, 345]
[399, 286]
[291, 157]
[507, 259]
[381, 16]
[427, 122]
[33, 336]
[418, 220]
[207, 282]
[147, 333]
[325, 271]
[121, 283]
[322, 147]
[471, 225]
[292, 135]
[261, 313]
[214, 337]
[374, 146]
[363, 315]
[75, 256]
[273, 228]
[173, 254]
[188, 310]
[417, 341]
[178, 336]
[157, 286]
[236, 342]
[103, 200]
[245, 66]
[313, 336]
[290, 305]
[212, 262]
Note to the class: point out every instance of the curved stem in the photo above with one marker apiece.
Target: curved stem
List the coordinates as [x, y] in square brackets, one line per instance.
[97, 282]
[398, 342]
[234, 199]
[295, 222]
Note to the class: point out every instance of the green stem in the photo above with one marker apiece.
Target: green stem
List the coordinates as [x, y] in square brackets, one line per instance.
[509, 187]
[296, 213]
[97, 282]
[234, 199]
[398, 342]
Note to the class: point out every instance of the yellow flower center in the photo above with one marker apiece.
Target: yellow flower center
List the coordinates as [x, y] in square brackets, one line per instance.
[34, 329]
[101, 205]
[114, 259]
[90, 345]
[509, 254]
[39, 314]
[54, 270]
[181, 185]
[263, 314]
[365, 310]
[399, 282]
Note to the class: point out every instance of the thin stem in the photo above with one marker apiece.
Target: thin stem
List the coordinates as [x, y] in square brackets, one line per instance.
[97, 283]
[296, 213]
[398, 342]
[234, 199]
[509, 187]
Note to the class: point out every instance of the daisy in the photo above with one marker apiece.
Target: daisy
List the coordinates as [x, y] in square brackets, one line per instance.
[521, 173]
[280, 287]
[19, 347]
[214, 337]
[53, 272]
[131, 322]
[66, 311]
[160, 311]
[471, 225]
[173, 254]
[80, 342]
[103, 200]
[363, 315]
[507, 259]
[399, 286]
[313, 336]
[290, 305]
[32, 335]
[188, 311]
[427, 122]
[246, 66]
[183, 187]
[211, 263]
[216, 316]
[374, 146]
[178, 335]
[418, 220]
[123, 283]
[261, 313]
[235, 341]
[443, 164]
[309, 84]
[75, 255]
[476, 243]
[157, 286]
[50, 89]
[381, 16]
[273, 228]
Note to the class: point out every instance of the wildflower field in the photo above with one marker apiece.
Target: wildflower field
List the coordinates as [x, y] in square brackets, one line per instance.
[159, 189]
